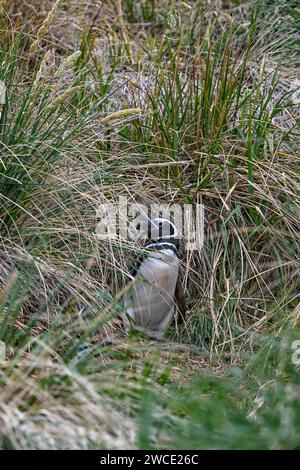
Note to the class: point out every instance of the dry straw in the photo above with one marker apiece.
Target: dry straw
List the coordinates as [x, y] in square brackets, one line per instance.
[44, 28]
[2, 6]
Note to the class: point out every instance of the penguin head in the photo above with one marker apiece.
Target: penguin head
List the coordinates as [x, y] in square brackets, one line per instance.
[159, 230]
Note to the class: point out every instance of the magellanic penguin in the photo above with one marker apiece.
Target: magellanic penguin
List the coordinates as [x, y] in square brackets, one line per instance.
[150, 303]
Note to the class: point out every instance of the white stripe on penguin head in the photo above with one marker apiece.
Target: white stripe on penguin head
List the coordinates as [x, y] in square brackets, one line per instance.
[160, 221]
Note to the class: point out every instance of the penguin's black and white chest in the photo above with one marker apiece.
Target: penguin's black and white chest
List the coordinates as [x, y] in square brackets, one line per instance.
[150, 300]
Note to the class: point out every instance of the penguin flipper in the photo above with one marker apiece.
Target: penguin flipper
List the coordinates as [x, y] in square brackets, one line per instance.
[180, 302]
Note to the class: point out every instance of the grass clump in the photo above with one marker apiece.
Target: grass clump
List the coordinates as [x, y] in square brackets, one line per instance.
[161, 103]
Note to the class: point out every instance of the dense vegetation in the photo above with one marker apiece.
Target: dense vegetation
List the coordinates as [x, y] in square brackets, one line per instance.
[159, 101]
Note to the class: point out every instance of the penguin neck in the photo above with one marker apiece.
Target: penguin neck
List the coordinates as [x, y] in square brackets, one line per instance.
[164, 244]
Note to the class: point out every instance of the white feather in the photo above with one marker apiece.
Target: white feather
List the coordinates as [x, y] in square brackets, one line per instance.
[150, 301]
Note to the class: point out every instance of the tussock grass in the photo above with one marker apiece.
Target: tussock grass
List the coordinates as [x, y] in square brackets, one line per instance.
[160, 102]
